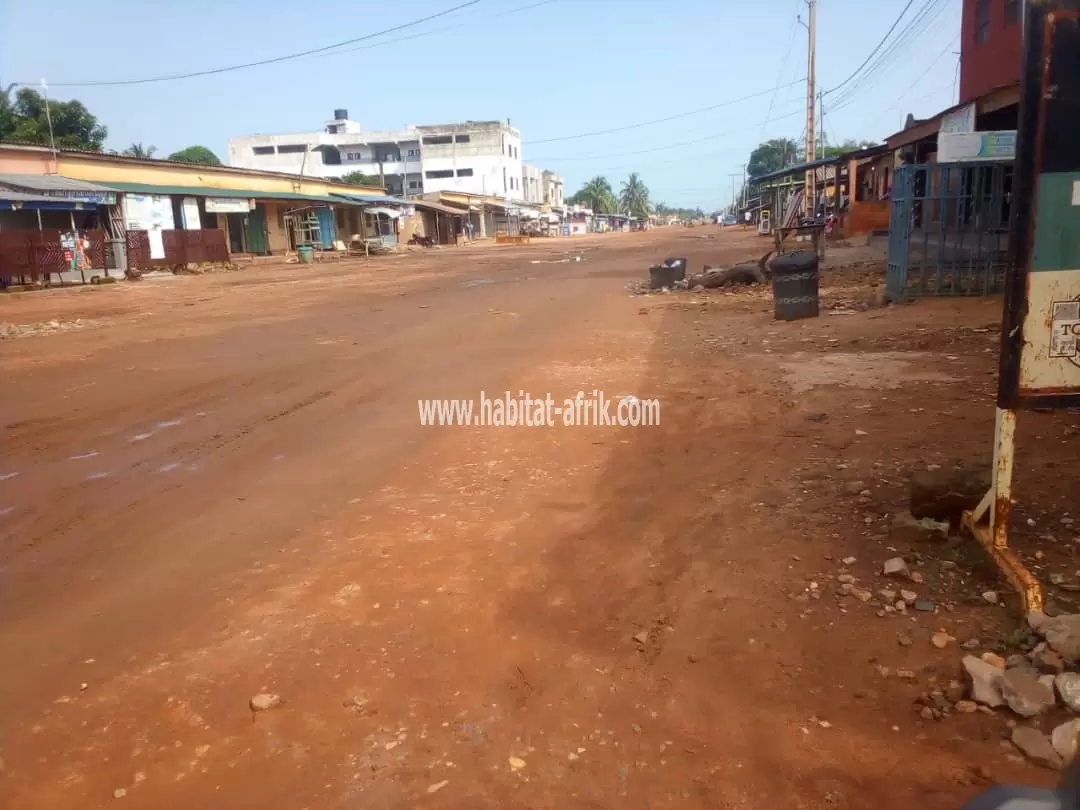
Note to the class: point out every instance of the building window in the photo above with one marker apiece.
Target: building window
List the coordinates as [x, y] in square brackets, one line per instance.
[414, 184]
[437, 140]
[982, 21]
[504, 178]
[413, 153]
[292, 149]
[354, 156]
[464, 172]
[263, 150]
[439, 174]
[1012, 12]
[462, 138]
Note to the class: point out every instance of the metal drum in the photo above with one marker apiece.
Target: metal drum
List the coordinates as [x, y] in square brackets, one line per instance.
[795, 285]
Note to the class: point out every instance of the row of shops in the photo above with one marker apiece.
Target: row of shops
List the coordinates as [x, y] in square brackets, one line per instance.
[134, 214]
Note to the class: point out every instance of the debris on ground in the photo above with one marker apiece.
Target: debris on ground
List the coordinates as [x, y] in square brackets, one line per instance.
[264, 702]
[1036, 746]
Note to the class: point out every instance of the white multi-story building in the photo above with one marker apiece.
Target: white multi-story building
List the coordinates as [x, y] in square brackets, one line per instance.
[474, 157]
[551, 186]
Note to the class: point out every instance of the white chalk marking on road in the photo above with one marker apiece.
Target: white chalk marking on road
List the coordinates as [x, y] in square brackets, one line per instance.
[277, 458]
[138, 437]
[6, 510]
[98, 476]
[202, 413]
[9, 476]
[164, 468]
[81, 456]
[170, 423]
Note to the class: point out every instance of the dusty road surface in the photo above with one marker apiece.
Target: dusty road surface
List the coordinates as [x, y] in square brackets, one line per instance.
[214, 487]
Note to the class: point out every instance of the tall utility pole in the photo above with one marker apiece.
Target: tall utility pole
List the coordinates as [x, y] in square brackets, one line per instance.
[811, 146]
[745, 187]
[734, 196]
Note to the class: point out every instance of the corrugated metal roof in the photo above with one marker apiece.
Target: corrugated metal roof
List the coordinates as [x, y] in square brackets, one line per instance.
[50, 182]
[802, 167]
[434, 206]
[372, 199]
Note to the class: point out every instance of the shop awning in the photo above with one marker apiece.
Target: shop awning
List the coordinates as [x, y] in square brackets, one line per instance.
[371, 199]
[58, 187]
[16, 200]
[203, 191]
[434, 206]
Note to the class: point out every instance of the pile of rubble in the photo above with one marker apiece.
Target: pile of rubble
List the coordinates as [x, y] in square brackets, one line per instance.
[1031, 685]
[1036, 688]
[672, 274]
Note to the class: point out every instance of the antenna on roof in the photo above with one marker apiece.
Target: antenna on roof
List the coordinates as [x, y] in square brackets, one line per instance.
[48, 117]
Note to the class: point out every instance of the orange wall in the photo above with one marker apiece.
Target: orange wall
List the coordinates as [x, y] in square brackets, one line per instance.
[14, 161]
[863, 217]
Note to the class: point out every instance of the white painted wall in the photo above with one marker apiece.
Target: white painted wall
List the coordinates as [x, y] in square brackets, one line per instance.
[482, 157]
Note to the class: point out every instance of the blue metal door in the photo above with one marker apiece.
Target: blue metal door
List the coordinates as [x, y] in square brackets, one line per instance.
[900, 214]
[327, 229]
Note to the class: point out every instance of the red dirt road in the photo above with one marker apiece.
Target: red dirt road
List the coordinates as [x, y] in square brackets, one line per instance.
[217, 486]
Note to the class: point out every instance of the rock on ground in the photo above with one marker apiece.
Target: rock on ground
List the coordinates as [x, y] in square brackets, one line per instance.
[264, 702]
[1061, 632]
[896, 567]
[1024, 694]
[1036, 746]
[985, 681]
[1068, 686]
[908, 529]
[1064, 740]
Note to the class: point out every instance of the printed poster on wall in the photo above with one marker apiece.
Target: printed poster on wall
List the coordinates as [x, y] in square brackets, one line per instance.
[189, 210]
[152, 213]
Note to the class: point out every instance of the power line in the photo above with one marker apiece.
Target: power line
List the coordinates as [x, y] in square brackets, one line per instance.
[780, 73]
[877, 48]
[915, 28]
[444, 28]
[675, 117]
[697, 156]
[272, 60]
[711, 136]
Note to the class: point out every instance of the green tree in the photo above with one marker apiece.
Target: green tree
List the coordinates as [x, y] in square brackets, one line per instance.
[24, 118]
[196, 154]
[597, 195]
[634, 196]
[137, 150]
[361, 179]
[849, 145]
[772, 156]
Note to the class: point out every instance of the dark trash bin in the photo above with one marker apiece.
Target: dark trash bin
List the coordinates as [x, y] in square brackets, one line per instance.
[795, 285]
[666, 274]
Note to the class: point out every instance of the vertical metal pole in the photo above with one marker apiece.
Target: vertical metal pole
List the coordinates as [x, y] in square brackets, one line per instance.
[811, 147]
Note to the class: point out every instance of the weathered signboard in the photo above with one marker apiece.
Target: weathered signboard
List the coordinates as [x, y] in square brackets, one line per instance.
[1040, 335]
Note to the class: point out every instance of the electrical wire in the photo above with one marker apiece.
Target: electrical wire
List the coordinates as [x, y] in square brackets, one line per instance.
[674, 117]
[916, 27]
[430, 31]
[877, 48]
[780, 73]
[271, 60]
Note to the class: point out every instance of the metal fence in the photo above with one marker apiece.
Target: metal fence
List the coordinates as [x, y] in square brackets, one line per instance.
[948, 230]
[180, 248]
[28, 256]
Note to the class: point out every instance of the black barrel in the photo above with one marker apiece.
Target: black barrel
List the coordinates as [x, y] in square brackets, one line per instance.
[795, 285]
[666, 274]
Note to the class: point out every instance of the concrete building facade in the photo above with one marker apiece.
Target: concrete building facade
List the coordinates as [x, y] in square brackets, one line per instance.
[473, 157]
[532, 184]
[552, 190]
[991, 46]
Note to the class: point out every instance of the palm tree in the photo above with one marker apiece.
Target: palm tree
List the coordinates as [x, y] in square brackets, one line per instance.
[137, 150]
[634, 196]
[597, 195]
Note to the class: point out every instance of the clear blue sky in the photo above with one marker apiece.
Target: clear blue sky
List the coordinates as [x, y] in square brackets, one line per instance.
[567, 67]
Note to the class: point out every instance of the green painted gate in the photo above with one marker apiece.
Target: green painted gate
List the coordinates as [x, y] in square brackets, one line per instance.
[256, 231]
